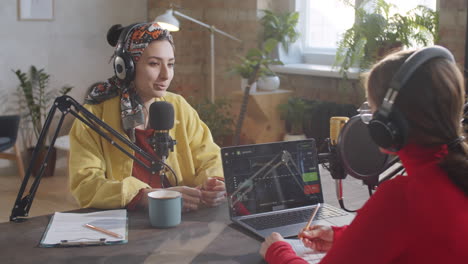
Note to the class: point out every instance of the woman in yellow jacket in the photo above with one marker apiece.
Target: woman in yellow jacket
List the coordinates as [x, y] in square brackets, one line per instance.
[103, 177]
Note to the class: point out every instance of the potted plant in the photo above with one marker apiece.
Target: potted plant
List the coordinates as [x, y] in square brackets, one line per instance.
[256, 59]
[375, 32]
[245, 69]
[253, 66]
[294, 112]
[217, 116]
[34, 101]
[282, 28]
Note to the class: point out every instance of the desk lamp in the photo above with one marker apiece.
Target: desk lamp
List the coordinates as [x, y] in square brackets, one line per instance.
[169, 22]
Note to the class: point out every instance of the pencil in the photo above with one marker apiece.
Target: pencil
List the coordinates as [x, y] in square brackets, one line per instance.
[314, 213]
[107, 232]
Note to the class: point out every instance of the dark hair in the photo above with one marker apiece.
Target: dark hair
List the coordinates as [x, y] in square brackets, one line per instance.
[432, 102]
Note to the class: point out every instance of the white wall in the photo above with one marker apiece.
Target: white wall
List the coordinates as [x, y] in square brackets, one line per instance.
[72, 48]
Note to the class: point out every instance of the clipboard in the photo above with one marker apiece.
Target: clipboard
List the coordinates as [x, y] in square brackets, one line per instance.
[68, 229]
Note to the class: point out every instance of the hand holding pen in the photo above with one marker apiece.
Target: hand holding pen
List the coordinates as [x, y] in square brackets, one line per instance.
[314, 213]
[317, 237]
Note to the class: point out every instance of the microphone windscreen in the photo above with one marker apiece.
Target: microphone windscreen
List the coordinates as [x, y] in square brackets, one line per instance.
[360, 156]
[161, 115]
[113, 34]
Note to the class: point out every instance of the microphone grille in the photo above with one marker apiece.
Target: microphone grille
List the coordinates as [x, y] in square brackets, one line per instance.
[336, 124]
[161, 116]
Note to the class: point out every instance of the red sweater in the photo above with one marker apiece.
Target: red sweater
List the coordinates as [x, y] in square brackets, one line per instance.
[419, 218]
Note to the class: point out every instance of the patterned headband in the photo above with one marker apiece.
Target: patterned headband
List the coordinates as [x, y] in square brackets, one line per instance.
[141, 35]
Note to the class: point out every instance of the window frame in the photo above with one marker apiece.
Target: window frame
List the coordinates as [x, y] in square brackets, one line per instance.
[313, 61]
[320, 56]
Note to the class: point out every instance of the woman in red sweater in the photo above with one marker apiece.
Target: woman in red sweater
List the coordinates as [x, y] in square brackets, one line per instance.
[421, 217]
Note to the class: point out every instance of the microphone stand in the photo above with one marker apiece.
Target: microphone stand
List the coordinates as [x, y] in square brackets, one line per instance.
[336, 170]
[66, 104]
[162, 143]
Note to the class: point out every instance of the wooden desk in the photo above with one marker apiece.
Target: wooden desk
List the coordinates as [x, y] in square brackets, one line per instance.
[262, 121]
[204, 236]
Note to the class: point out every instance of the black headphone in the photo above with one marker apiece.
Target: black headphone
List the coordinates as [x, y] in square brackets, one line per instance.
[389, 128]
[124, 66]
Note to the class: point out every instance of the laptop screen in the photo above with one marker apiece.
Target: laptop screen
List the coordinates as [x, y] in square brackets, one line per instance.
[271, 176]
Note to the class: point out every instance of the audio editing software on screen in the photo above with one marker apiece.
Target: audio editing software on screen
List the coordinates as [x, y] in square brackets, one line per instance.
[272, 176]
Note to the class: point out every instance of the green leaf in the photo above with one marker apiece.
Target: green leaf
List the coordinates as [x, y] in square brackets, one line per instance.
[34, 96]
[269, 45]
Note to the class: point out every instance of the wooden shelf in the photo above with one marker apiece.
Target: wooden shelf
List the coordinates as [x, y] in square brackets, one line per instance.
[262, 122]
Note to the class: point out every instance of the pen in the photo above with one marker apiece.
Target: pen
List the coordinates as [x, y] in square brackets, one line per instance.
[312, 216]
[107, 232]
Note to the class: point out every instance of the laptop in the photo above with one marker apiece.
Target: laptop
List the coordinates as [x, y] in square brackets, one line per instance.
[274, 187]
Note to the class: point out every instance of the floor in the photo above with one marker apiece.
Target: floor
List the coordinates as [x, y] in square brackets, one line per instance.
[53, 193]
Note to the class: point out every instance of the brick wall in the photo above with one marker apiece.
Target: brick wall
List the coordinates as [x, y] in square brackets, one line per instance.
[235, 17]
[452, 27]
[324, 88]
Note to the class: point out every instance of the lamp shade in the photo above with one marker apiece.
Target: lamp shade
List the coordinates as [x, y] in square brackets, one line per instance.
[168, 21]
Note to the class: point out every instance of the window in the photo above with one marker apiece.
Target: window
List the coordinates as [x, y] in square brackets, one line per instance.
[322, 23]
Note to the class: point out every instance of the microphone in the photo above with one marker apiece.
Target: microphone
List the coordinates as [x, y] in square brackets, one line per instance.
[161, 119]
[336, 168]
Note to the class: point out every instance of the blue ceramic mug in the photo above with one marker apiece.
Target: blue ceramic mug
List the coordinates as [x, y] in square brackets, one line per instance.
[164, 208]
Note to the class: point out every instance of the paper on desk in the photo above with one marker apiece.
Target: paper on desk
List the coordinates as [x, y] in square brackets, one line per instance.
[310, 255]
[70, 226]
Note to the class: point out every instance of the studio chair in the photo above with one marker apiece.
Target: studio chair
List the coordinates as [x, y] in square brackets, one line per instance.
[8, 133]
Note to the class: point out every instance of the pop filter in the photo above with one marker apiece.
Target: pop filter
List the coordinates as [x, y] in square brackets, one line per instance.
[359, 155]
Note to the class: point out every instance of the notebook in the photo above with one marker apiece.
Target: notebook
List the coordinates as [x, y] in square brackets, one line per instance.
[309, 255]
[274, 187]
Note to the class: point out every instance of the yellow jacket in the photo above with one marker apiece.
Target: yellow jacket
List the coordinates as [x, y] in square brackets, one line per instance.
[100, 174]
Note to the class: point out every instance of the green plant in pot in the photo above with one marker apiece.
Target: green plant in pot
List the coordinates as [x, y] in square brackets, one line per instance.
[294, 112]
[34, 101]
[254, 65]
[281, 27]
[377, 31]
[217, 116]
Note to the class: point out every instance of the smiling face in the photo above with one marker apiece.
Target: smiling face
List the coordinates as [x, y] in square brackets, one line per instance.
[154, 70]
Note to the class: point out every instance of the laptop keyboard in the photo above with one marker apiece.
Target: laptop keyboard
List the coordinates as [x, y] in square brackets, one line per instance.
[292, 217]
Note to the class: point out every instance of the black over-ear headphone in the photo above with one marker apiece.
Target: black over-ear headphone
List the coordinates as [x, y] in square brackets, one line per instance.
[388, 128]
[124, 67]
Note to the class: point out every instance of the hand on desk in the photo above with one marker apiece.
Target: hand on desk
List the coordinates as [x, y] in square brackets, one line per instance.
[191, 197]
[274, 237]
[213, 192]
